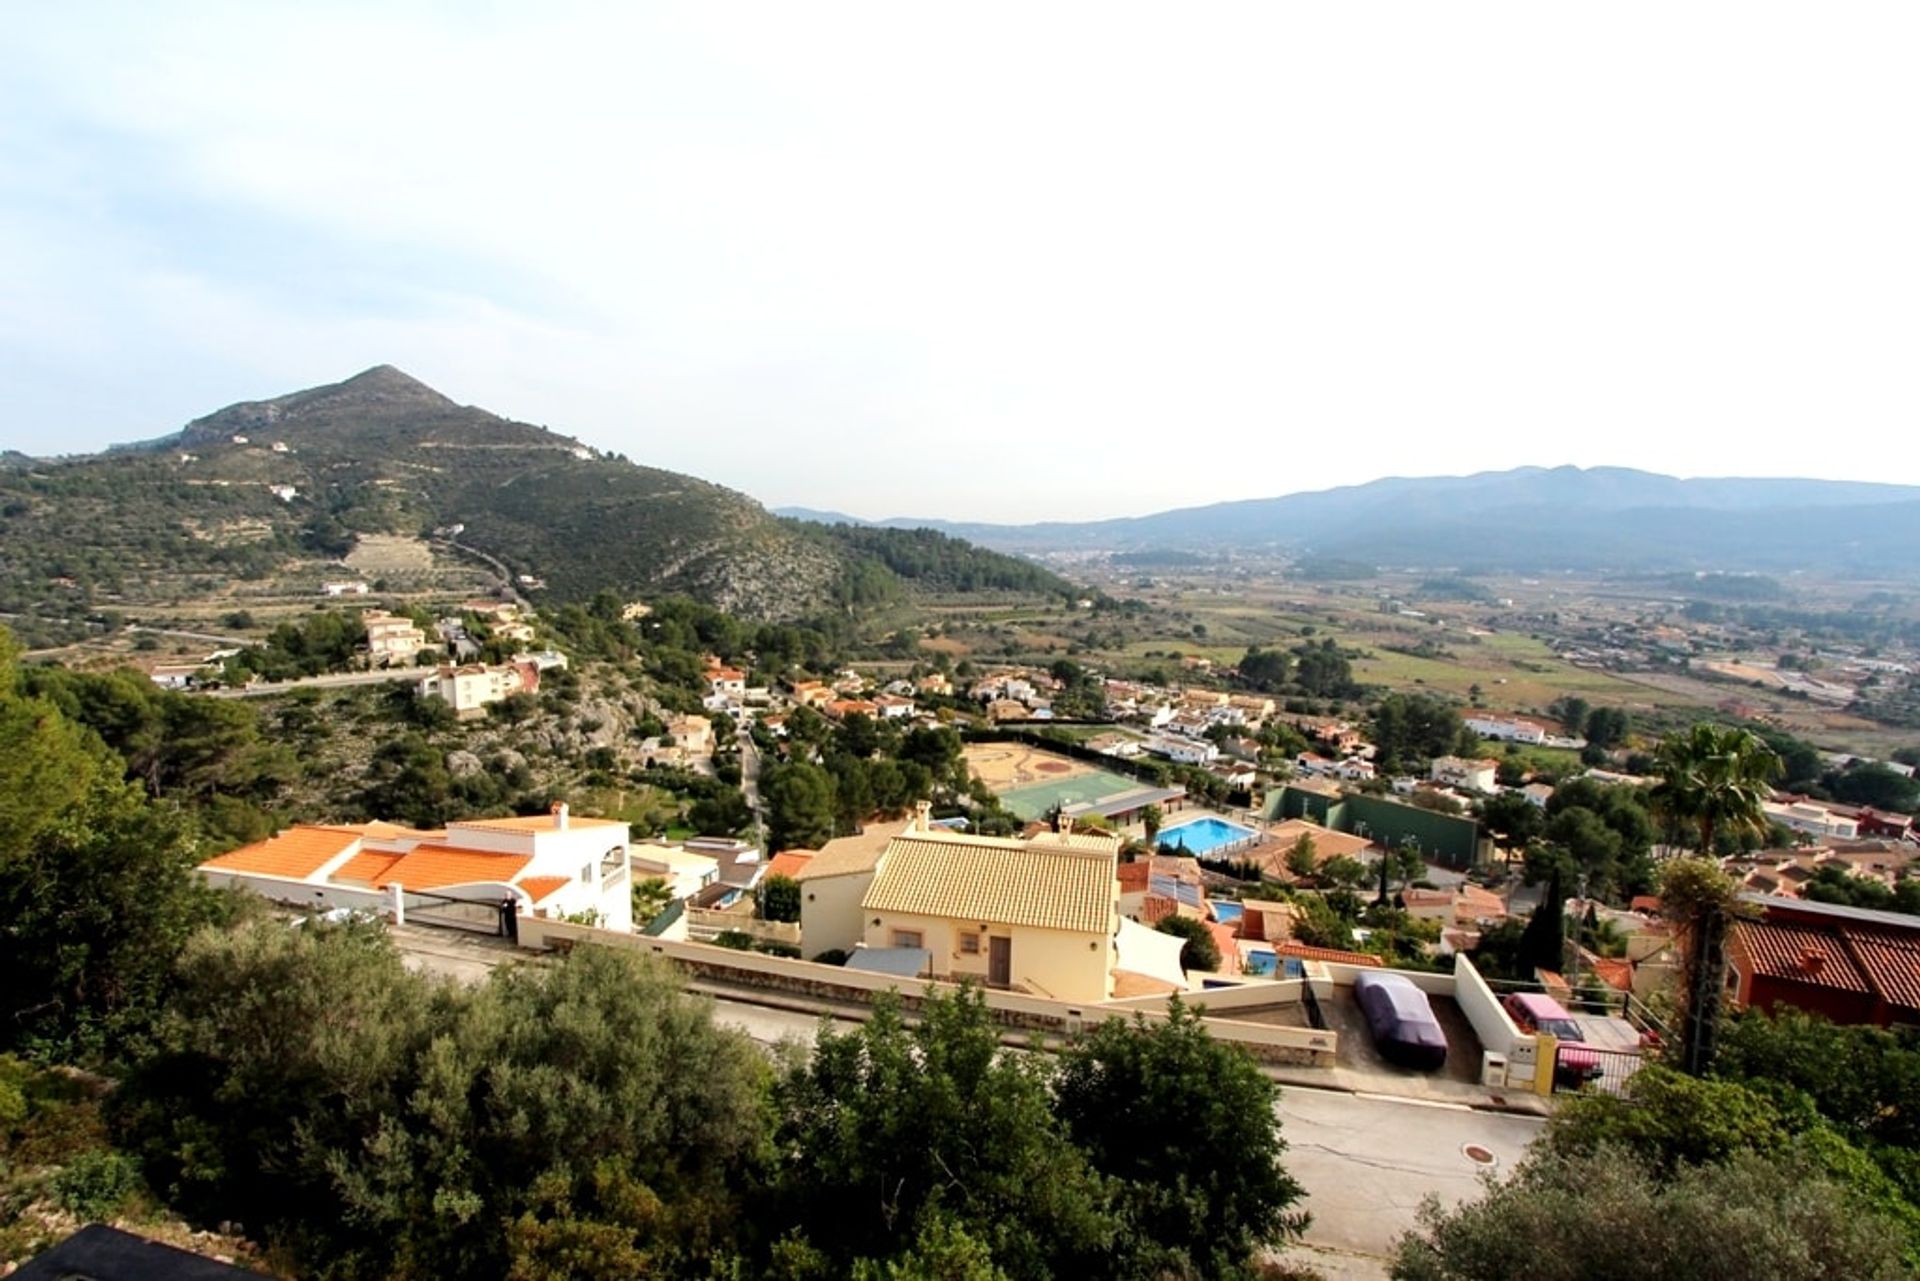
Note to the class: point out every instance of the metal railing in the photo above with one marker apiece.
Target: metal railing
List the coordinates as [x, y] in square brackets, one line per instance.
[1579, 1067]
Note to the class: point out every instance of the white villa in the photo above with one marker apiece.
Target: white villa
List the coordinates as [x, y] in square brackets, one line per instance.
[551, 865]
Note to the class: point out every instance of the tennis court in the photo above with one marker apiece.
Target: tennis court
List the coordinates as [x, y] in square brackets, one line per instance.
[1036, 800]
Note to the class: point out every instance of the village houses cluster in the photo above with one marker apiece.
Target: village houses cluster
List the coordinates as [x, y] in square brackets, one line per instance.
[1054, 911]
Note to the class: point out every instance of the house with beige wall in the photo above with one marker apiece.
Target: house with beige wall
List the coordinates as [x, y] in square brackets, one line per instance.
[1037, 915]
[391, 638]
[832, 884]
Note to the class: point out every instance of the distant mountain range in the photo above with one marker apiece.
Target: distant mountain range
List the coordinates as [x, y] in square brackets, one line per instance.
[1529, 518]
[250, 490]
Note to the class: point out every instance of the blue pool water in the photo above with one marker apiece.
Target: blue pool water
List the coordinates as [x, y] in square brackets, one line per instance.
[1203, 835]
[1226, 913]
[1261, 962]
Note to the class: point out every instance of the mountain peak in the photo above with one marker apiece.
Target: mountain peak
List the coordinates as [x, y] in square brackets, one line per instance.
[381, 380]
[380, 394]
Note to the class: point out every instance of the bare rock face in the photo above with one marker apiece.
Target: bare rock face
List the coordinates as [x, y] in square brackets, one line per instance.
[463, 764]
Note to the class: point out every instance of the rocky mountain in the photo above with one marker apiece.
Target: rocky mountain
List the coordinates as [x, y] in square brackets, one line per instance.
[245, 490]
[1529, 518]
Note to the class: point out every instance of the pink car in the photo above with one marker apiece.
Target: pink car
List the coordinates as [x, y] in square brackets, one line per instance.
[1534, 1012]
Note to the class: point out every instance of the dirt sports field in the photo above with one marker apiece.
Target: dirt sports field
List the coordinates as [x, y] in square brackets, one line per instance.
[1005, 766]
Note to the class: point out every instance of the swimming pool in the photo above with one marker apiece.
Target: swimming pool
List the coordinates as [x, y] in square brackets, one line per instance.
[1262, 963]
[1202, 836]
[1226, 913]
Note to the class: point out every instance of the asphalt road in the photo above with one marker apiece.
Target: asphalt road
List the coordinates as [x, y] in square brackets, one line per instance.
[339, 680]
[1367, 1161]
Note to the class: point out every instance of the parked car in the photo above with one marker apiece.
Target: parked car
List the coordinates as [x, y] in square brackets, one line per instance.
[1537, 1012]
[1401, 1020]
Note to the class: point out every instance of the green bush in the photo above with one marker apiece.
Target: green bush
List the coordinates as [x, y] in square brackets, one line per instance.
[96, 1185]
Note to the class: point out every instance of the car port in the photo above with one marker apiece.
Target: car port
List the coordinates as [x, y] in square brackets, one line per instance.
[1357, 1052]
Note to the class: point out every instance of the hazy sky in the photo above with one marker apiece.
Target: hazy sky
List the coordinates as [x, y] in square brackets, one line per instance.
[1006, 261]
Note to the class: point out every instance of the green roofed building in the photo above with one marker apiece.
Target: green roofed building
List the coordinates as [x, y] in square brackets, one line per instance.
[1447, 839]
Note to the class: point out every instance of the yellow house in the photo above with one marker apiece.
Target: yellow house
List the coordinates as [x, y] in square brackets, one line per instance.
[1037, 916]
[834, 881]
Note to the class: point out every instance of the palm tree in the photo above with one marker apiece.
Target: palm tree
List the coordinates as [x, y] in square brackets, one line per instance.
[1716, 780]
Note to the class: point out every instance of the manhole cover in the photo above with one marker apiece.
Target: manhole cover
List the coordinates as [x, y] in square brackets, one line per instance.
[1479, 1155]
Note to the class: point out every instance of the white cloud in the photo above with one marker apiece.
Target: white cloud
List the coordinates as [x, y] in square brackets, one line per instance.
[1057, 260]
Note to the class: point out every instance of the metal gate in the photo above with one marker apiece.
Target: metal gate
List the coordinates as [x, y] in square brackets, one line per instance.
[1587, 1067]
[479, 916]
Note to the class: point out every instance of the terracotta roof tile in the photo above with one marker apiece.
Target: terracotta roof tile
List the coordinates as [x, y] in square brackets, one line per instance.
[367, 866]
[538, 887]
[789, 863]
[1133, 876]
[1616, 973]
[381, 830]
[977, 878]
[1892, 962]
[533, 823]
[1800, 953]
[1223, 939]
[859, 853]
[1333, 954]
[1156, 908]
[430, 867]
[296, 853]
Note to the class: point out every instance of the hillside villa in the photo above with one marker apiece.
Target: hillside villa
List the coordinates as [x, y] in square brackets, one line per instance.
[471, 688]
[1847, 964]
[1474, 775]
[472, 873]
[1035, 915]
[391, 639]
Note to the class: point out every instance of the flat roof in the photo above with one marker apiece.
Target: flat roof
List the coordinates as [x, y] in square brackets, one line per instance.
[1108, 806]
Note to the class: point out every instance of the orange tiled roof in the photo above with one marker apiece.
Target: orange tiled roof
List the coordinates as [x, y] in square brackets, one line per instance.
[1892, 962]
[1223, 940]
[1156, 908]
[296, 853]
[381, 830]
[534, 823]
[430, 867]
[1333, 954]
[367, 866]
[1614, 972]
[538, 887]
[789, 863]
[1133, 876]
[1801, 953]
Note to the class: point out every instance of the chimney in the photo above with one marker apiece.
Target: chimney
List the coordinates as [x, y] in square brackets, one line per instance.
[560, 815]
[1811, 960]
[923, 816]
